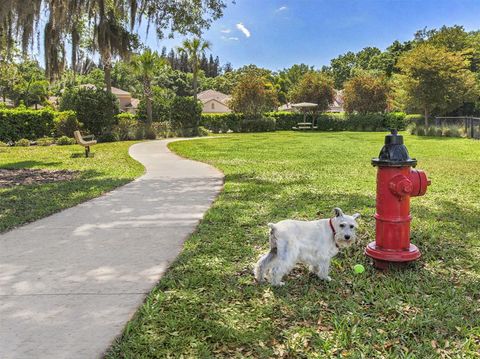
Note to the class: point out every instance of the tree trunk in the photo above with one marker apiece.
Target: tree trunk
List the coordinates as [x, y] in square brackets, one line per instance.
[107, 68]
[148, 102]
[426, 118]
[195, 74]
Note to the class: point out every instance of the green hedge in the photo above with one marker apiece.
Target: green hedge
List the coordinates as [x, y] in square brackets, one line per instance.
[25, 123]
[417, 119]
[324, 122]
[221, 122]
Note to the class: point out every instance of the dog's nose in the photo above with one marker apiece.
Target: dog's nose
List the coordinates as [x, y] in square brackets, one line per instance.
[347, 237]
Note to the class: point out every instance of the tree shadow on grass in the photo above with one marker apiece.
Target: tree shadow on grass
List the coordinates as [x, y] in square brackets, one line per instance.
[29, 164]
[209, 296]
[24, 204]
[82, 155]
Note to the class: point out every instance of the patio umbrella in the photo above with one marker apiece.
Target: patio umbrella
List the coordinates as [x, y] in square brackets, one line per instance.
[304, 107]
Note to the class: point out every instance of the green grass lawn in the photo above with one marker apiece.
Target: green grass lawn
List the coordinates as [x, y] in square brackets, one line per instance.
[110, 167]
[208, 304]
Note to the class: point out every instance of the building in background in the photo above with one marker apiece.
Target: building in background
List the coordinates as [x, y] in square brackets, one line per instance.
[214, 101]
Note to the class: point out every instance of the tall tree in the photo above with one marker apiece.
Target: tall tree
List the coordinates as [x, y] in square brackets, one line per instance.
[253, 95]
[194, 49]
[112, 22]
[433, 79]
[144, 66]
[366, 93]
[314, 87]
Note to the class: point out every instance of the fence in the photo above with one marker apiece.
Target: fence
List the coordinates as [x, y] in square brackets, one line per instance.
[471, 125]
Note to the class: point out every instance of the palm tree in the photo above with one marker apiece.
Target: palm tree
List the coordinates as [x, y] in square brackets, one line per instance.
[20, 21]
[194, 49]
[144, 66]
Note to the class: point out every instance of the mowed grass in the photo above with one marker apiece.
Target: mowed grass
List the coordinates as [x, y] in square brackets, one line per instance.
[208, 304]
[110, 167]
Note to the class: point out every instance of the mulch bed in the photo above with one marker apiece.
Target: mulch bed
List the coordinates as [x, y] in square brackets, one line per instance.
[26, 176]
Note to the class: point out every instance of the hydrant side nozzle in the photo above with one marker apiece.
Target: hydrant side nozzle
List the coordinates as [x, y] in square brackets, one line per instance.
[419, 181]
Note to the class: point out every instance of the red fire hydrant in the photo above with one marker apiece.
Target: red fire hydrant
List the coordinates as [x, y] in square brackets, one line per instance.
[396, 183]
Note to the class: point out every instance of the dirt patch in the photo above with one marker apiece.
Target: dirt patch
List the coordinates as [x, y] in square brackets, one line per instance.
[26, 176]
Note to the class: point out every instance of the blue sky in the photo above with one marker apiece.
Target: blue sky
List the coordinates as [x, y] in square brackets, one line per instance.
[277, 34]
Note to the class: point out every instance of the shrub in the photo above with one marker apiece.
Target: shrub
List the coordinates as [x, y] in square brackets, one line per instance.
[286, 120]
[420, 131]
[45, 141]
[95, 108]
[412, 129]
[126, 127]
[202, 131]
[24, 123]
[396, 120]
[3, 144]
[23, 142]
[453, 131]
[221, 122]
[438, 131]
[185, 115]
[66, 123]
[161, 105]
[140, 131]
[431, 131]
[363, 122]
[324, 122]
[163, 129]
[108, 137]
[418, 119]
[331, 122]
[263, 124]
[150, 133]
[64, 141]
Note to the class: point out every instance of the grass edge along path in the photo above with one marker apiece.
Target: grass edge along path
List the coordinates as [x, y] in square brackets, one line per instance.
[109, 167]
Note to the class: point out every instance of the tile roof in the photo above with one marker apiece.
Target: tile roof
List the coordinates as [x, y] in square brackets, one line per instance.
[208, 95]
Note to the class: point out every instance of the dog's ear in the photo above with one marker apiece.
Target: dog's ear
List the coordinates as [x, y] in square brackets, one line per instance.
[338, 212]
[356, 215]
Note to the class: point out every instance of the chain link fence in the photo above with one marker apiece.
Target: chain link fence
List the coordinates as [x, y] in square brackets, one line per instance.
[464, 125]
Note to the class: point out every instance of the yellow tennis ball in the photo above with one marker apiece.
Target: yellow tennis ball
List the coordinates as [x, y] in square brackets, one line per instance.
[358, 268]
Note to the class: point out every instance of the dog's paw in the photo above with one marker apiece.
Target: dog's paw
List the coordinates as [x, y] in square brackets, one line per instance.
[279, 284]
[326, 279]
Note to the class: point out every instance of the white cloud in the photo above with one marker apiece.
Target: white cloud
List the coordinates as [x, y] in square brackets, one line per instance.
[232, 38]
[243, 29]
[282, 8]
[225, 31]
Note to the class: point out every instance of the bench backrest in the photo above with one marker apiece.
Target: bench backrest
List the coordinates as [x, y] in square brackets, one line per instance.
[78, 137]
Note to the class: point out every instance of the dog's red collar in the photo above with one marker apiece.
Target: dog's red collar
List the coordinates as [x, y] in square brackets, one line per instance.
[333, 231]
[331, 227]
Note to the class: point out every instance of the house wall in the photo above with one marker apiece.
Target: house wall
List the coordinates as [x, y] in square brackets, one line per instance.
[213, 106]
[124, 101]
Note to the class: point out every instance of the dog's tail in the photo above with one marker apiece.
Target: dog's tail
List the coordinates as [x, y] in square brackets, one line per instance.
[266, 259]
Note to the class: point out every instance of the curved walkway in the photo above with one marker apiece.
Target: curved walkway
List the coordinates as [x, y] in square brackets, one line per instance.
[70, 282]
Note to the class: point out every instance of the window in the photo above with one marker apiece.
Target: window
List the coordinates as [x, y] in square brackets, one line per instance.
[213, 106]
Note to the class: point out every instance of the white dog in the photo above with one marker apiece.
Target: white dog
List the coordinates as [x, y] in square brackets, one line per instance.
[313, 243]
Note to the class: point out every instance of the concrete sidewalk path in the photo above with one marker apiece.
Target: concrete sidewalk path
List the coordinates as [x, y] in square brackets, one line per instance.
[70, 282]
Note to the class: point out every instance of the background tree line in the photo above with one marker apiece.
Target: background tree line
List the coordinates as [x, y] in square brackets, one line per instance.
[437, 72]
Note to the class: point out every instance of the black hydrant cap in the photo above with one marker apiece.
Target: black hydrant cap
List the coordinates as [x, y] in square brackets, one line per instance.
[394, 153]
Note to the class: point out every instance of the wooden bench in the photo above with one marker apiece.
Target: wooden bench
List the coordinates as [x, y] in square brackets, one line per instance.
[81, 141]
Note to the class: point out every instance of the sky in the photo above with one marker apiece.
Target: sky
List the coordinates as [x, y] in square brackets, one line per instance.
[277, 34]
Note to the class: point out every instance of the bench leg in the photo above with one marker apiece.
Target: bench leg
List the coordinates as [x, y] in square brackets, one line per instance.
[87, 151]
